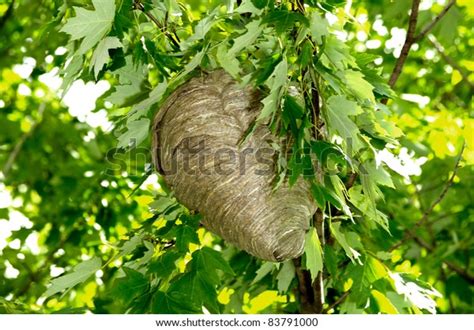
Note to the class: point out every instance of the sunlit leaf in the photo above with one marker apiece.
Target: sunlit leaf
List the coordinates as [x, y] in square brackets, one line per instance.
[313, 253]
[80, 273]
[92, 25]
[101, 53]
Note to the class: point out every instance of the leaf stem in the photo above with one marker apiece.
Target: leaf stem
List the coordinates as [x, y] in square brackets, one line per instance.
[139, 6]
[409, 40]
[337, 302]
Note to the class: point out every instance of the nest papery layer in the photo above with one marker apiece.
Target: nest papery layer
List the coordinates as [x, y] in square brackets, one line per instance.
[195, 147]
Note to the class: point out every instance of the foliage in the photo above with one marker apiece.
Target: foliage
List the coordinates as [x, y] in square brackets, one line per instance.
[394, 232]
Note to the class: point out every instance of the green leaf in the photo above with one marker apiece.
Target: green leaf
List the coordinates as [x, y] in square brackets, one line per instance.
[173, 302]
[319, 195]
[384, 303]
[254, 29]
[285, 276]
[136, 133]
[201, 29]
[208, 260]
[184, 236]
[196, 289]
[4, 213]
[129, 287]
[130, 245]
[339, 108]
[260, 4]
[328, 154]
[418, 292]
[331, 261]
[306, 54]
[155, 96]
[263, 271]
[145, 257]
[162, 203]
[313, 253]
[277, 80]
[448, 25]
[228, 61]
[356, 83]
[378, 174]
[337, 54]
[191, 65]
[100, 56]
[165, 265]
[248, 7]
[366, 206]
[318, 27]
[341, 238]
[131, 78]
[323, 195]
[284, 20]
[81, 273]
[70, 72]
[292, 112]
[270, 103]
[371, 191]
[123, 17]
[363, 275]
[92, 25]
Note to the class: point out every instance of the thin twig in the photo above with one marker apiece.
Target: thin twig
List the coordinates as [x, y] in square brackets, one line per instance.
[339, 301]
[430, 25]
[352, 179]
[455, 268]
[439, 48]
[16, 150]
[444, 191]
[410, 233]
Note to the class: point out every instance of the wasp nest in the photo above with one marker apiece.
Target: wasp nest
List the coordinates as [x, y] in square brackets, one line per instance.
[196, 148]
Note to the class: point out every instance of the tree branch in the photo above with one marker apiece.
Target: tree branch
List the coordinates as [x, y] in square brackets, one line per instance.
[430, 25]
[409, 40]
[305, 291]
[352, 179]
[318, 284]
[410, 233]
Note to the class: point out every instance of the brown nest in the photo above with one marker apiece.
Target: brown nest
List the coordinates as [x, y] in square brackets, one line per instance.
[196, 136]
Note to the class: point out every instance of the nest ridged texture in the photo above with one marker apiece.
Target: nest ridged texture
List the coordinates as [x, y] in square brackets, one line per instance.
[196, 136]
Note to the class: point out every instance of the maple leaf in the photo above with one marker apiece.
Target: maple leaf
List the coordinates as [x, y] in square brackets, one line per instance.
[92, 25]
[101, 53]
